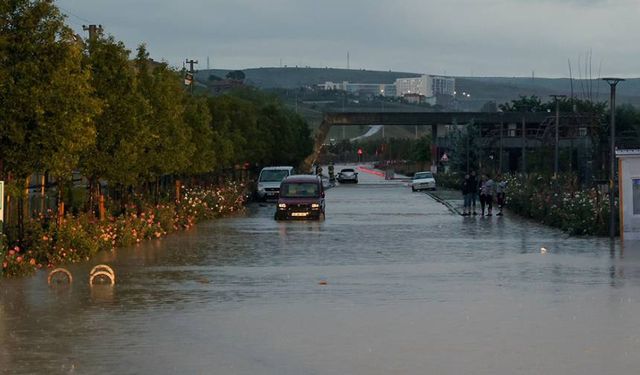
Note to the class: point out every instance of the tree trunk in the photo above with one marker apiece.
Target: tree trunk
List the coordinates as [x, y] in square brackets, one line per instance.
[60, 204]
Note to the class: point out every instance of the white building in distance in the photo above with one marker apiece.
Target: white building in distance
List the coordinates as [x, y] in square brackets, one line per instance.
[426, 85]
[374, 89]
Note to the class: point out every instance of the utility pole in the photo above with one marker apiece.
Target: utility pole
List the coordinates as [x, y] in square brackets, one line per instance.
[501, 131]
[555, 165]
[191, 64]
[94, 30]
[468, 135]
[524, 145]
[613, 82]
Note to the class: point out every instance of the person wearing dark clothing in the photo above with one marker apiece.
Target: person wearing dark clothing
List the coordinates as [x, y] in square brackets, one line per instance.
[473, 183]
[501, 188]
[486, 194]
[466, 195]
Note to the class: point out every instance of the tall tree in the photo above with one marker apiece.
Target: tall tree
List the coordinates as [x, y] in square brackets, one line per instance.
[47, 111]
[198, 118]
[46, 116]
[121, 133]
[168, 150]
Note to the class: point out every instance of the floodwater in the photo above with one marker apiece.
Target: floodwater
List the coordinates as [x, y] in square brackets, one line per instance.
[390, 283]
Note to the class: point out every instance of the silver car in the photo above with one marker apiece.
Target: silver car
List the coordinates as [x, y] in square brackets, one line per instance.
[347, 175]
[269, 181]
[423, 181]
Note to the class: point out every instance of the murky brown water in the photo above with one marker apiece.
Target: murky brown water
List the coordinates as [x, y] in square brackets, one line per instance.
[410, 289]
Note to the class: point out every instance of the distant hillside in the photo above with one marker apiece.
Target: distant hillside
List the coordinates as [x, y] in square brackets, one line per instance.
[289, 78]
[482, 89]
[502, 89]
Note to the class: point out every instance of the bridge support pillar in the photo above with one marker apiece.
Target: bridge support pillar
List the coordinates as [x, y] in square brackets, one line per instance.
[434, 147]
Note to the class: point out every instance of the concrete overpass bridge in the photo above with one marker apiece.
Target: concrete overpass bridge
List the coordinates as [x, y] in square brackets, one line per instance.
[512, 129]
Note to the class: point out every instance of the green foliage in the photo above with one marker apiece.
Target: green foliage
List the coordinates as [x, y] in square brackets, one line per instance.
[250, 126]
[121, 133]
[413, 150]
[236, 75]
[525, 104]
[78, 238]
[168, 148]
[559, 203]
[465, 155]
[69, 104]
[42, 126]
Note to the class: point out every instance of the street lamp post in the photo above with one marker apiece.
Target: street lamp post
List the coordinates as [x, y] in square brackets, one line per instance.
[501, 132]
[613, 82]
[555, 165]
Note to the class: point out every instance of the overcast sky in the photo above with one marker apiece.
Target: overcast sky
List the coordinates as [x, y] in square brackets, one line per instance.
[453, 37]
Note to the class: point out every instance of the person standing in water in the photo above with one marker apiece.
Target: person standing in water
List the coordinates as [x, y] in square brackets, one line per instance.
[501, 188]
[473, 181]
[466, 195]
[487, 190]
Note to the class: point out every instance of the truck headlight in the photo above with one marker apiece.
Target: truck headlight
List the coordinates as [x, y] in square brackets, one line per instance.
[282, 205]
[315, 205]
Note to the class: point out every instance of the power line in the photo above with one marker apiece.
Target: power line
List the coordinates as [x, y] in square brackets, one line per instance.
[67, 12]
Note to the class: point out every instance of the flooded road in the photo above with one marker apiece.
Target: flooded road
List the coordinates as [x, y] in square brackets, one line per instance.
[390, 283]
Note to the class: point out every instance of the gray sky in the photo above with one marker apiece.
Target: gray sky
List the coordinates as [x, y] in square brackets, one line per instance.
[456, 37]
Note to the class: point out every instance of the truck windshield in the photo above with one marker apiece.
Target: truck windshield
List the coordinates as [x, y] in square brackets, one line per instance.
[419, 176]
[300, 190]
[273, 175]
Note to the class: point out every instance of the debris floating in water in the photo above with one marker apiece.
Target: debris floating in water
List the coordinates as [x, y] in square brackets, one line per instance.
[322, 282]
[543, 250]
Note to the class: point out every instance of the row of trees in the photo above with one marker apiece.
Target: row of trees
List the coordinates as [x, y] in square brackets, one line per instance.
[70, 104]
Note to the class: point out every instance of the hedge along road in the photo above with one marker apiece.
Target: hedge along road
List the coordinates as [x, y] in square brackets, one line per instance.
[390, 282]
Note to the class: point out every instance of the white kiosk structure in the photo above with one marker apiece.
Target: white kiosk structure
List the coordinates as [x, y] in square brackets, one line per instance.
[629, 191]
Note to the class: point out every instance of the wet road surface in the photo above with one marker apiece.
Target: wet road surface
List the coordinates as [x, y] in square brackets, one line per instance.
[410, 289]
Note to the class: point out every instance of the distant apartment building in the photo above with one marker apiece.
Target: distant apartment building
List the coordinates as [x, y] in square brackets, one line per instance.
[425, 85]
[443, 85]
[373, 89]
[415, 85]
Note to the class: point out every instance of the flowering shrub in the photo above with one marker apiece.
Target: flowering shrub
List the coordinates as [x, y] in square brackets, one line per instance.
[201, 204]
[77, 239]
[18, 263]
[559, 203]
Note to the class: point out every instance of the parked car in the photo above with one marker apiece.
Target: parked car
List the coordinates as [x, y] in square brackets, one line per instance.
[301, 197]
[347, 175]
[269, 181]
[423, 181]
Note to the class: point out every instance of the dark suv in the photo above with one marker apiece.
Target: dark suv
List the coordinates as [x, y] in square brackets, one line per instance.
[301, 197]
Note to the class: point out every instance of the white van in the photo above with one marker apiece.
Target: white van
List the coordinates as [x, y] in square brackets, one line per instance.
[269, 181]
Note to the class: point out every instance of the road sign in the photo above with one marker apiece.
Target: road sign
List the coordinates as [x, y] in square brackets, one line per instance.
[188, 79]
